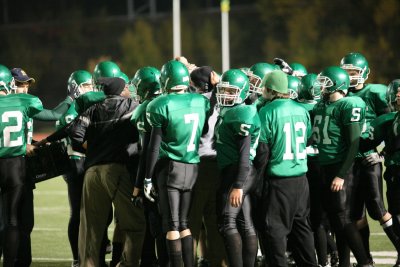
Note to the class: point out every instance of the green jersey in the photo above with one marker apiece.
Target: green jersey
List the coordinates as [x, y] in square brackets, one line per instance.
[386, 128]
[374, 96]
[233, 122]
[181, 117]
[139, 119]
[29, 129]
[15, 111]
[330, 120]
[312, 150]
[66, 119]
[286, 127]
[83, 102]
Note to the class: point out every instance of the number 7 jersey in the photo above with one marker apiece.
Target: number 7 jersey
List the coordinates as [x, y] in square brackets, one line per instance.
[330, 120]
[181, 118]
[15, 112]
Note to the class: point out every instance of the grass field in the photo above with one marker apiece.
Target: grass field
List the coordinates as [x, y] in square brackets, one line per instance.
[50, 246]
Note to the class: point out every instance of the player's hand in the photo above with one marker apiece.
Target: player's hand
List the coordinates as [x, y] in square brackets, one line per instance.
[337, 184]
[30, 150]
[40, 143]
[372, 159]
[149, 191]
[73, 92]
[283, 65]
[236, 197]
[137, 198]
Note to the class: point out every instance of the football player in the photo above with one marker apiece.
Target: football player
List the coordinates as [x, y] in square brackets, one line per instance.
[147, 84]
[309, 93]
[202, 212]
[236, 136]
[337, 128]
[16, 110]
[177, 119]
[23, 83]
[256, 73]
[79, 81]
[282, 162]
[368, 165]
[386, 128]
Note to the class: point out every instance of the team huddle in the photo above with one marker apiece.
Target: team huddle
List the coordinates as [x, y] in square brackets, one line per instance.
[268, 160]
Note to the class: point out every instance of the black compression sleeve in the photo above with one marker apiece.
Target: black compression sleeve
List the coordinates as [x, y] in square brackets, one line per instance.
[243, 143]
[58, 135]
[352, 137]
[153, 151]
[142, 161]
[262, 157]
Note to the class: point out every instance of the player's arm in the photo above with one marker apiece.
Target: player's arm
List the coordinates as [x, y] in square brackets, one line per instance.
[142, 161]
[243, 143]
[352, 136]
[262, 158]
[153, 151]
[55, 113]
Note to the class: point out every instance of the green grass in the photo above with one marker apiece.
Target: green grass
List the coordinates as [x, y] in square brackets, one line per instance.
[50, 246]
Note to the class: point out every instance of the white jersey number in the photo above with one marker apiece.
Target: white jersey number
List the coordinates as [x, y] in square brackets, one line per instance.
[192, 118]
[8, 130]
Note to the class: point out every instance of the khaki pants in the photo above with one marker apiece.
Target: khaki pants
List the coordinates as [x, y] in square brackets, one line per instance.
[104, 184]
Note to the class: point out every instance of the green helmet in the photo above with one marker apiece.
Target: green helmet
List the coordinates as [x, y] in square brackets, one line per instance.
[358, 63]
[256, 73]
[7, 82]
[298, 69]
[391, 94]
[174, 76]
[147, 82]
[123, 76]
[333, 79]
[309, 89]
[293, 86]
[233, 88]
[77, 79]
[245, 69]
[106, 69]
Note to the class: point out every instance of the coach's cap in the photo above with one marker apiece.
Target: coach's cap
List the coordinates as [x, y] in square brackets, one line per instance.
[112, 86]
[276, 80]
[21, 76]
[201, 78]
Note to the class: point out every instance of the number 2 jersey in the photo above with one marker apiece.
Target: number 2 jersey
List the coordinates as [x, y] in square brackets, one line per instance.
[15, 111]
[181, 118]
[330, 121]
[285, 127]
[233, 122]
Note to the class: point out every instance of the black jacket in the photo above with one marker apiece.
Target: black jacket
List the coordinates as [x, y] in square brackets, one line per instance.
[107, 128]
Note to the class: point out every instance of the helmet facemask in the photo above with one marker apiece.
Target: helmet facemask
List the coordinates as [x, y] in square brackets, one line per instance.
[255, 84]
[228, 95]
[10, 88]
[328, 87]
[357, 75]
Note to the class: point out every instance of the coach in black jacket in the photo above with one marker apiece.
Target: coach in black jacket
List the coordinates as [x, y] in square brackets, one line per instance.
[107, 130]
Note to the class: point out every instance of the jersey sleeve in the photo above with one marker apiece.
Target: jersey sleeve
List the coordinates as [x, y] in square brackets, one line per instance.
[265, 131]
[379, 126]
[381, 104]
[34, 106]
[156, 113]
[243, 120]
[353, 111]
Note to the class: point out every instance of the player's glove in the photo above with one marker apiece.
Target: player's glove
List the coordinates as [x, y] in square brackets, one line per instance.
[73, 91]
[149, 190]
[283, 65]
[372, 159]
[137, 201]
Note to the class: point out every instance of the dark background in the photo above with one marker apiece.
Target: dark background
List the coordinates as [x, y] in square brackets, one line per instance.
[50, 39]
